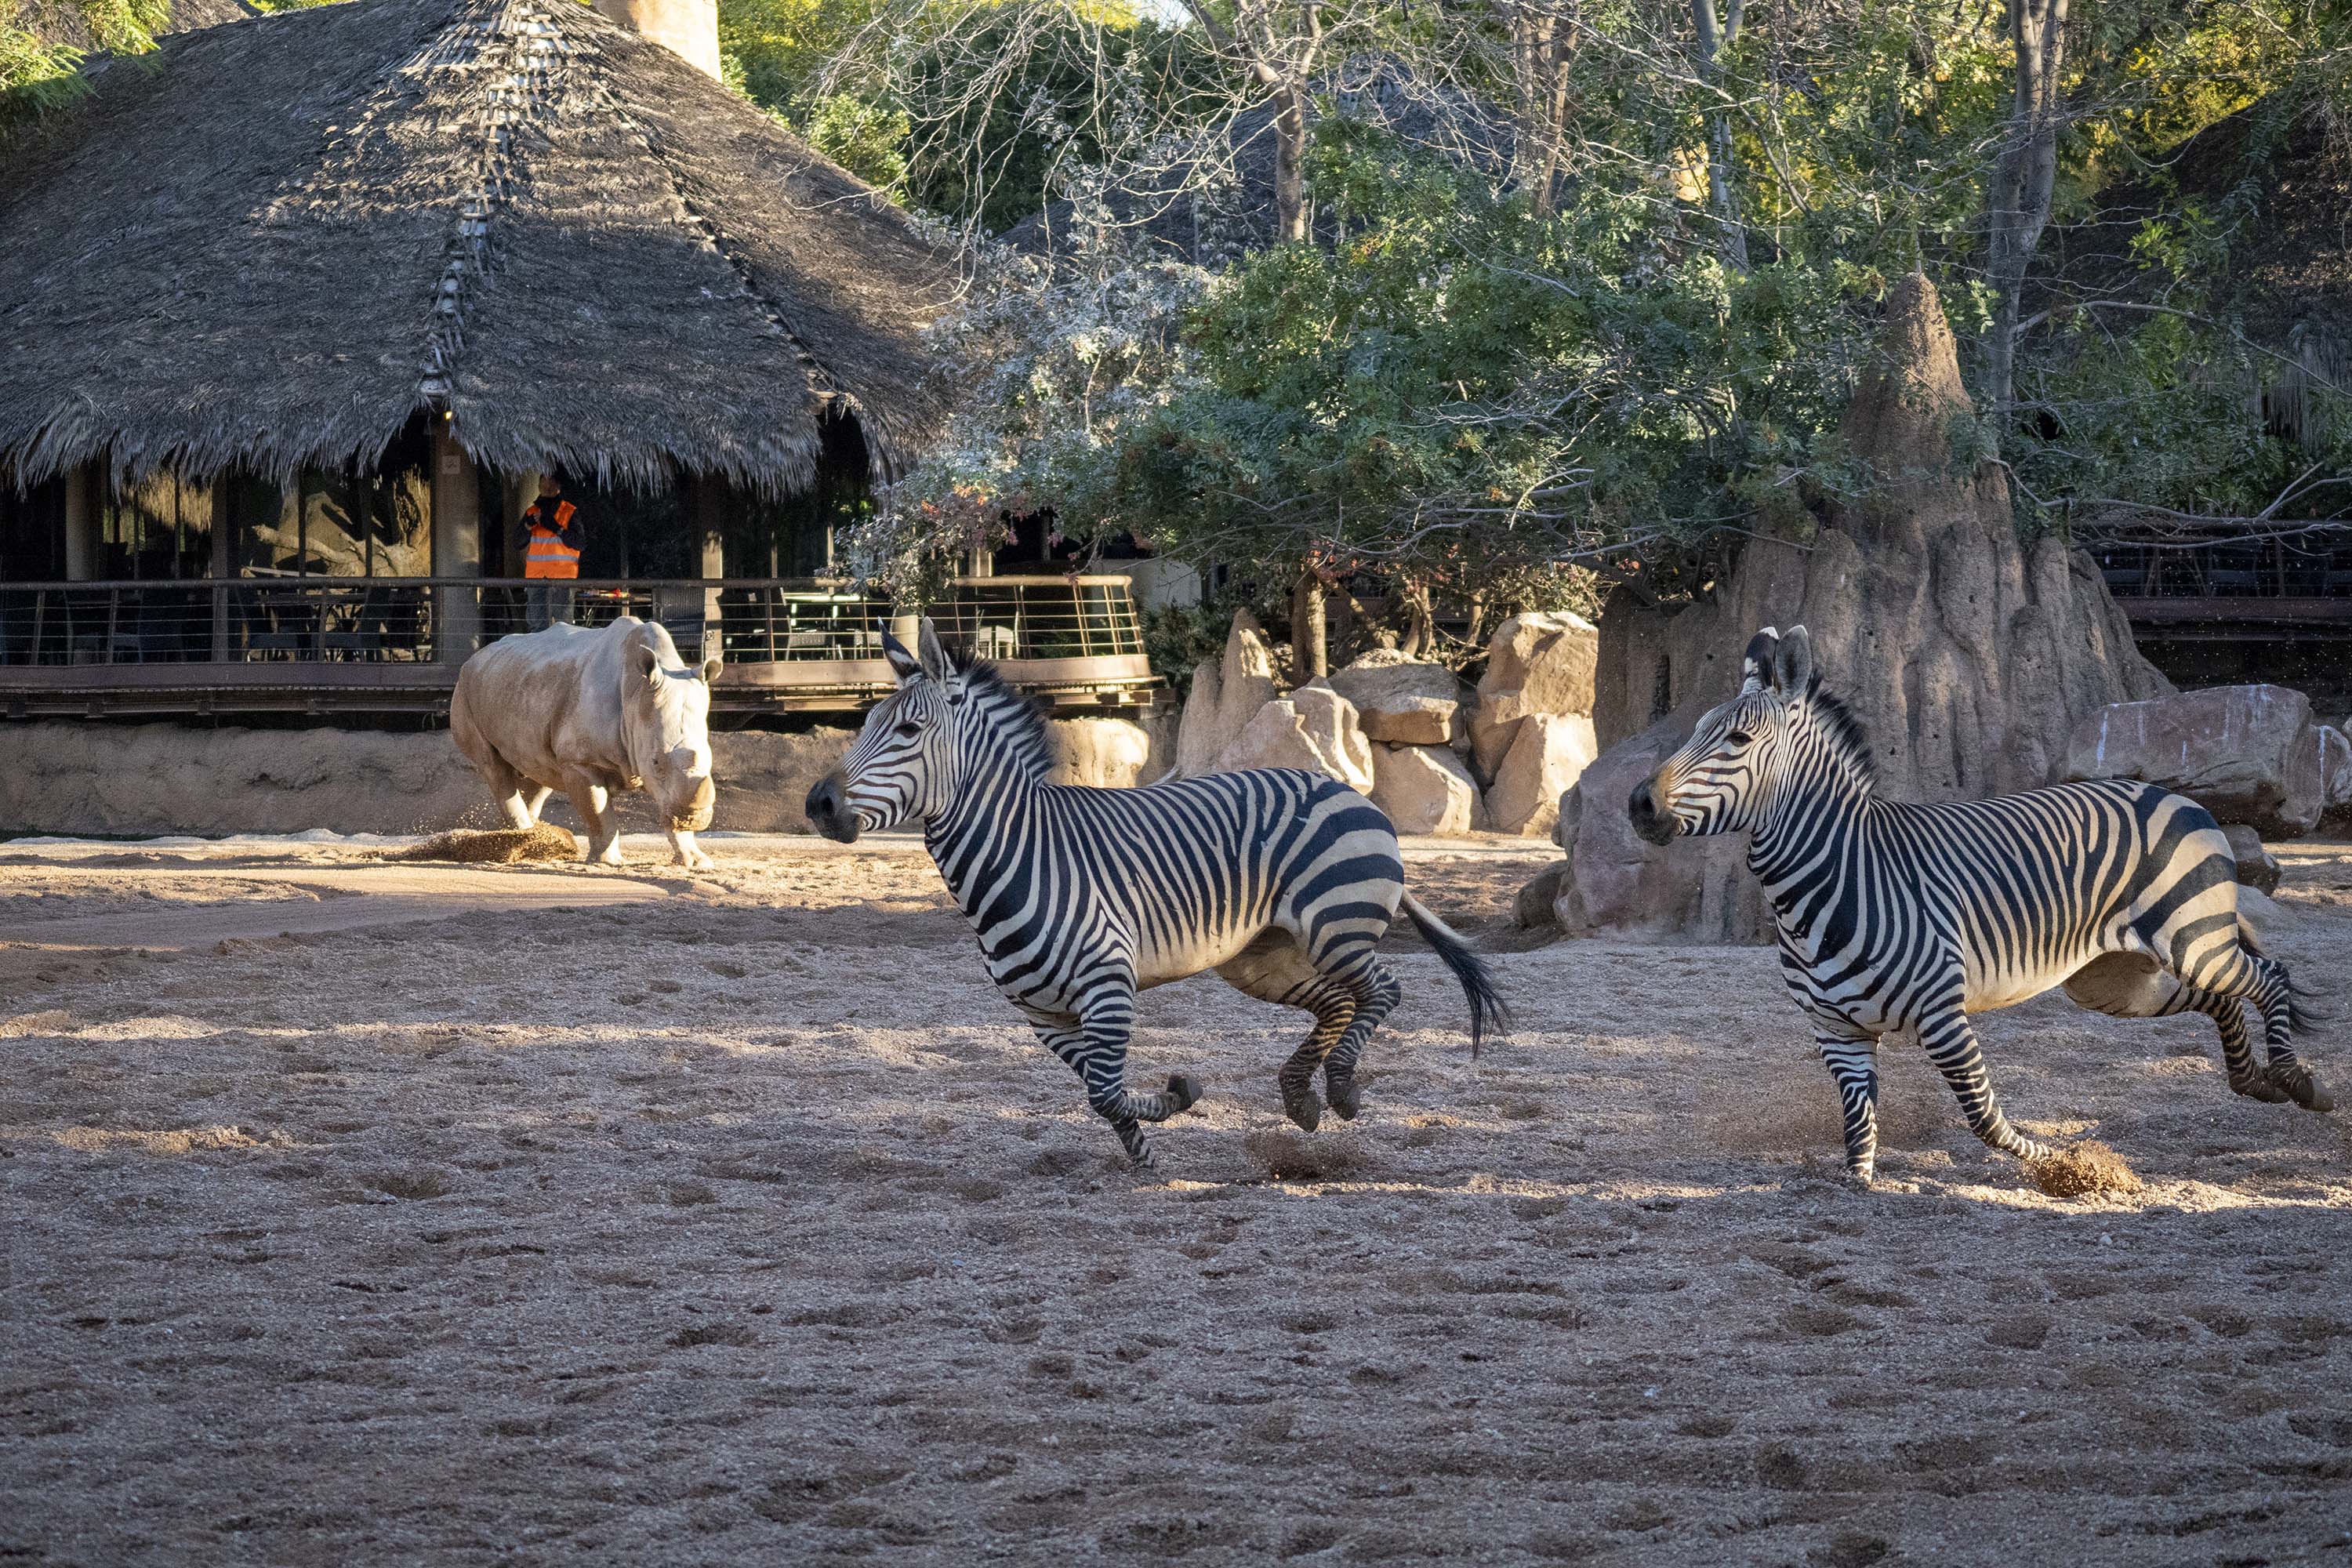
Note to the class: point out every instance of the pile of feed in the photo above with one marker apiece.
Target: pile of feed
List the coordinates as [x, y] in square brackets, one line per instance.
[2082, 1169]
[496, 847]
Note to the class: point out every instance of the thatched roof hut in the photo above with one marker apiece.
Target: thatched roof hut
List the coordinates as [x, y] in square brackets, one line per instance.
[55, 22]
[272, 246]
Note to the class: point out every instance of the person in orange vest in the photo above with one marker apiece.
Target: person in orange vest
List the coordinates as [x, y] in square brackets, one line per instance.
[550, 538]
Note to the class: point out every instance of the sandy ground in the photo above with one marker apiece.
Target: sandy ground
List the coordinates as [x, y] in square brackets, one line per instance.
[741, 1222]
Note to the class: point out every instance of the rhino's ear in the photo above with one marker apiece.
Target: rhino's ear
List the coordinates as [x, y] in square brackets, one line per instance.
[1756, 666]
[903, 664]
[644, 662]
[935, 662]
[1792, 662]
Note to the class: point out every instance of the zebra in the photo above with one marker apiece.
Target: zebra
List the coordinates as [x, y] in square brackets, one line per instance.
[1283, 881]
[1895, 916]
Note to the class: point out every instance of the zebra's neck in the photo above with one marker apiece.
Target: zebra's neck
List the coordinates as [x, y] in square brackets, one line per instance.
[991, 780]
[1823, 797]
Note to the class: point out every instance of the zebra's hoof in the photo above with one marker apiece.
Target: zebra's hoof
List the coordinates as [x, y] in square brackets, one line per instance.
[1346, 1099]
[1183, 1092]
[2293, 1081]
[2254, 1085]
[1302, 1109]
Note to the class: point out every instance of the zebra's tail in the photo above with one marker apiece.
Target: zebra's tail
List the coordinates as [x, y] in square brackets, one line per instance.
[1487, 1010]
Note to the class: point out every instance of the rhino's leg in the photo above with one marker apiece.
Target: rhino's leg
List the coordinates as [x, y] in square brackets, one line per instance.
[588, 798]
[685, 851]
[533, 805]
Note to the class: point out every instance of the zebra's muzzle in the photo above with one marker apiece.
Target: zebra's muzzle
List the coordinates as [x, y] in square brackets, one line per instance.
[1651, 820]
[829, 814]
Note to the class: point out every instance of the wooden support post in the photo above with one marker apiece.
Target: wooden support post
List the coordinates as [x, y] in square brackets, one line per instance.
[456, 547]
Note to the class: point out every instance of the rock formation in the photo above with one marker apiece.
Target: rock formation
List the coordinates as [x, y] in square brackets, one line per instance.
[1225, 696]
[1536, 663]
[1403, 702]
[1969, 655]
[1549, 751]
[1424, 789]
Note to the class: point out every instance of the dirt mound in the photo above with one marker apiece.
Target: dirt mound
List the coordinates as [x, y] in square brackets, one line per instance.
[2080, 1170]
[1294, 1157]
[496, 846]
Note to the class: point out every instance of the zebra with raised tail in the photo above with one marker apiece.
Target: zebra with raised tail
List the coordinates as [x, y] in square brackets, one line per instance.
[1281, 881]
[1895, 917]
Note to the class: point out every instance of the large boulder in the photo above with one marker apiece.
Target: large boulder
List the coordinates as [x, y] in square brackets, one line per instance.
[2248, 754]
[1616, 880]
[1225, 696]
[1314, 728]
[1549, 751]
[1423, 789]
[1541, 661]
[1968, 657]
[1107, 753]
[1402, 700]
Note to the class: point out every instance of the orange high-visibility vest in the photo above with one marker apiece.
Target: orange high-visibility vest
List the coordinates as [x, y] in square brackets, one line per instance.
[547, 556]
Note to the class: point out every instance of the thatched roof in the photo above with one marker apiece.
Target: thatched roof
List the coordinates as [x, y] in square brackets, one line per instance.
[274, 244]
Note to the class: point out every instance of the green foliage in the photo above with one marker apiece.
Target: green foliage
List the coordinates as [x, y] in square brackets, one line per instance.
[1457, 386]
[37, 66]
[866, 139]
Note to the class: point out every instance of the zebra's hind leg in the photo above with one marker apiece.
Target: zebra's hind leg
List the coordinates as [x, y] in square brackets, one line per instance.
[2135, 985]
[1096, 1049]
[2237, 970]
[1852, 1062]
[1376, 996]
[1951, 1044]
[1274, 969]
[2229, 1015]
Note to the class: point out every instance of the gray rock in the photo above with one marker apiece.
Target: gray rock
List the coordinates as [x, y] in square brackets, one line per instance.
[1536, 907]
[2257, 866]
[2248, 754]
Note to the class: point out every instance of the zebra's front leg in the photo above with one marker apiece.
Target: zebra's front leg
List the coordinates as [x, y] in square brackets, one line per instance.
[1951, 1041]
[1852, 1062]
[1095, 1046]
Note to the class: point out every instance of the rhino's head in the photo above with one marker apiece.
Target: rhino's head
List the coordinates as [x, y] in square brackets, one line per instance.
[666, 724]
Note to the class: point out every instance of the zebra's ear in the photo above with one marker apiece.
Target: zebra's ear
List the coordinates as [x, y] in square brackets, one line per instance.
[1792, 662]
[1756, 665]
[935, 662]
[903, 664]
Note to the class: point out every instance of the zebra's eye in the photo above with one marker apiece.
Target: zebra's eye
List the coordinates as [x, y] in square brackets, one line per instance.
[1739, 737]
[910, 729]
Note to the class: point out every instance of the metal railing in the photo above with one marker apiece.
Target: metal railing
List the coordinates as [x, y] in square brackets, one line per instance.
[430, 620]
[2315, 565]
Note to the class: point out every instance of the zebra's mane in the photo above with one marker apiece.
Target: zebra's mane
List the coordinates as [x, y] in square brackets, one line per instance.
[1015, 718]
[1842, 731]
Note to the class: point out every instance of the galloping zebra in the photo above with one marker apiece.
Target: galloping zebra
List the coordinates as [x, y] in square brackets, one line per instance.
[1281, 881]
[1896, 916]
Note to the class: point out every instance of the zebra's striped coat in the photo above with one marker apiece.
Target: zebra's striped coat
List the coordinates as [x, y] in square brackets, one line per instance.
[1281, 881]
[1896, 917]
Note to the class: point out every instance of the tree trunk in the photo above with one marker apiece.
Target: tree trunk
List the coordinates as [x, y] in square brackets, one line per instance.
[1310, 643]
[1289, 159]
[1543, 34]
[1420, 618]
[1714, 37]
[2016, 201]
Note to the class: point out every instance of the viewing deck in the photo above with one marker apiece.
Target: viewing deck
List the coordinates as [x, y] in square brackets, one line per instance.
[394, 645]
[2297, 588]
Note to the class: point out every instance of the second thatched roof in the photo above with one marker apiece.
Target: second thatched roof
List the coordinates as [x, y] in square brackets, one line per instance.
[271, 245]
